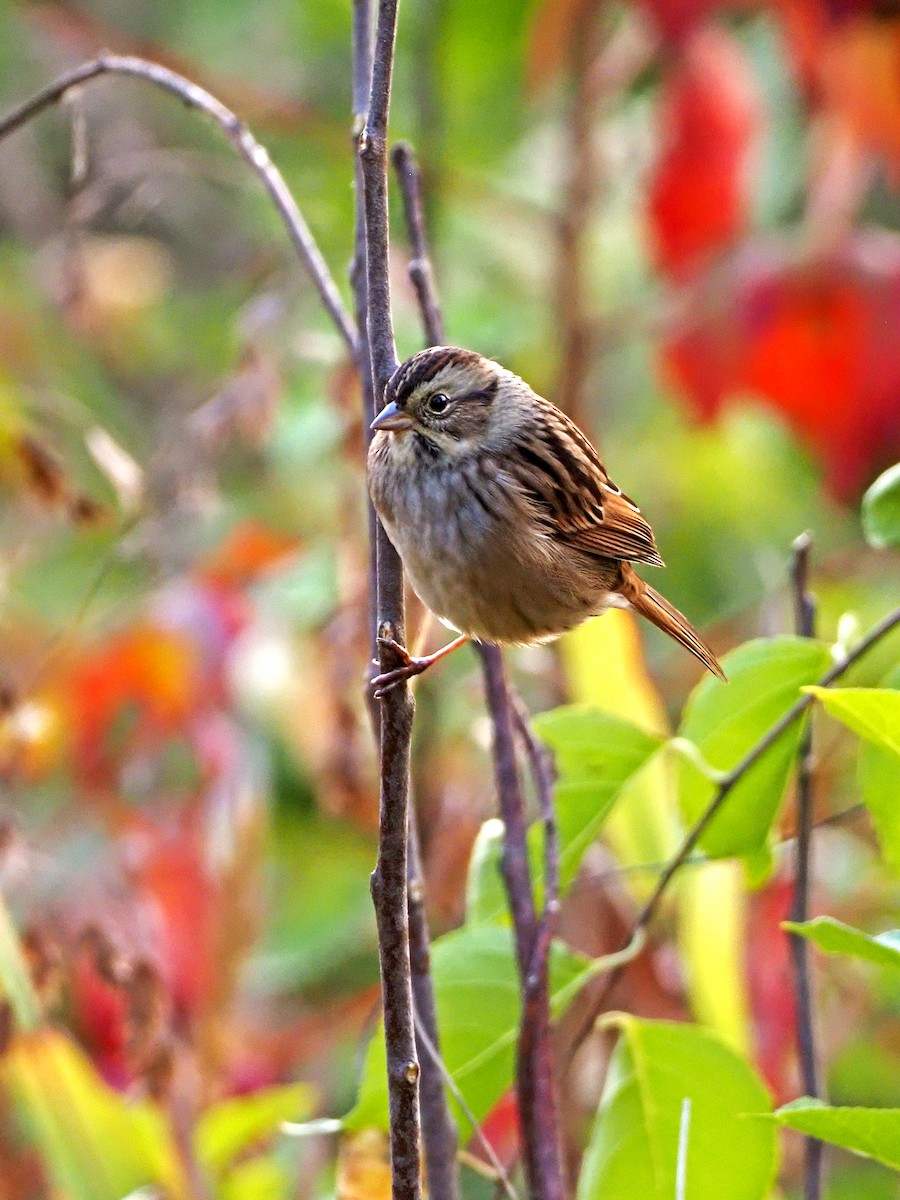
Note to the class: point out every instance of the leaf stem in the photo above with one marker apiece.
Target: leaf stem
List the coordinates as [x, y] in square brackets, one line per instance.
[805, 625]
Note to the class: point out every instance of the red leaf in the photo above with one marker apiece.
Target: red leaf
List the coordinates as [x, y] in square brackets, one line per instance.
[100, 1012]
[501, 1128]
[771, 987]
[676, 19]
[698, 199]
[175, 875]
[818, 342]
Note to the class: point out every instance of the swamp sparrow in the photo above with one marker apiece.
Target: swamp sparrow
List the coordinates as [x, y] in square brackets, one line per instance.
[507, 523]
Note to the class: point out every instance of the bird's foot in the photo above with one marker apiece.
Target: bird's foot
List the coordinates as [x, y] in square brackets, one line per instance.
[410, 665]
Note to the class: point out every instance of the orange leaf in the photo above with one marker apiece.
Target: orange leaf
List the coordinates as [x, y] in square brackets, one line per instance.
[247, 553]
[148, 671]
[861, 81]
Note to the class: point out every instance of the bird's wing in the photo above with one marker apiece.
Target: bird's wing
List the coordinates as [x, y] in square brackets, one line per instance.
[564, 477]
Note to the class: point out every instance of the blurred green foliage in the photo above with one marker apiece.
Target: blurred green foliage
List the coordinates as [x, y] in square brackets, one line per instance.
[185, 750]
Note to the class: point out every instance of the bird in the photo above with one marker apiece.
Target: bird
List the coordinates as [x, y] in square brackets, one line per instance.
[509, 528]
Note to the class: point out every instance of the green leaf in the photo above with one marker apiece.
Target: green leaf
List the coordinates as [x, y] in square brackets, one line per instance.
[231, 1126]
[97, 1146]
[834, 937]
[633, 1149]
[877, 769]
[881, 510]
[873, 713]
[724, 720]
[872, 1132]
[485, 897]
[476, 989]
[596, 754]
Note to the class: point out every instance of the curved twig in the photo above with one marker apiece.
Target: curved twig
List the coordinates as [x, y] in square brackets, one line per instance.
[253, 153]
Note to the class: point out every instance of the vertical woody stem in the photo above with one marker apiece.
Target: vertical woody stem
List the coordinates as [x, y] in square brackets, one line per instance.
[389, 879]
[535, 1085]
[438, 1127]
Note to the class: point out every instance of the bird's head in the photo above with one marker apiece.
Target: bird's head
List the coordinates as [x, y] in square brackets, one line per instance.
[445, 395]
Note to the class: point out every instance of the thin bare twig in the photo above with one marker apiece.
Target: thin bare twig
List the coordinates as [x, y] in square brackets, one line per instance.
[439, 1133]
[534, 1073]
[362, 83]
[726, 786]
[432, 1052]
[543, 772]
[421, 273]
[254, 154]
[535, 1085]
[805, 624]
[389, 879]
[684, 1133]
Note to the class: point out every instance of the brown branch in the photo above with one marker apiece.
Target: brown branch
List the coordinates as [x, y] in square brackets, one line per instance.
[420, 270]
[362, 83]
[726, 785]
[535, 1084]
[805, 624]
[253, 153]
[543, 772]
[438, 1127]
[389, 879]
[576, 328]
[439, 1135]
[534, 1070]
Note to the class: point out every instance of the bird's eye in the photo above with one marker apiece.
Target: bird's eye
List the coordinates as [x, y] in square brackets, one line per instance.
[438, 403]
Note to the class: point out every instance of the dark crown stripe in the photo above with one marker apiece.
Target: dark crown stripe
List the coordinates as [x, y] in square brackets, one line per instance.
[423, 367]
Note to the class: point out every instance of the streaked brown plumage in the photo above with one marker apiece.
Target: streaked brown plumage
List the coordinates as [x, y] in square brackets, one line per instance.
[507, 523]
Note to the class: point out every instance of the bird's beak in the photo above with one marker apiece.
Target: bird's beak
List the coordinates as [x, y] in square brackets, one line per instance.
[393, 418]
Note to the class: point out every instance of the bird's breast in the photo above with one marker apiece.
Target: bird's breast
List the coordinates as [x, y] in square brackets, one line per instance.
[472, 549]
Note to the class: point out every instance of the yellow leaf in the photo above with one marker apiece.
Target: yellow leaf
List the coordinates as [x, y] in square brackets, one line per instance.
[96, 1146]
[712, 936]
[604, 664]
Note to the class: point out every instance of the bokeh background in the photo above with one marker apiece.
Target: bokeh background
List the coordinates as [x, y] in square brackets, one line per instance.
[677, 220]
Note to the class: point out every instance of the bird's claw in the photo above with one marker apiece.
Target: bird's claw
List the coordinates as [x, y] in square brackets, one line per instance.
[410, 667]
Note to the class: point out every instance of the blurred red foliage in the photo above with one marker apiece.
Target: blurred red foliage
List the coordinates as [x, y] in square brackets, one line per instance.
[770, 986]
[816, 340]
[676, 19]
[698, 198]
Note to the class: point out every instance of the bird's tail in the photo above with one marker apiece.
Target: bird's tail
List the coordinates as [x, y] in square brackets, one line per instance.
[665, 616]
